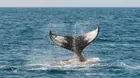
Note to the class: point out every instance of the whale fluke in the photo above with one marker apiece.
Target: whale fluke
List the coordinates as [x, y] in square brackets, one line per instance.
[75, 43]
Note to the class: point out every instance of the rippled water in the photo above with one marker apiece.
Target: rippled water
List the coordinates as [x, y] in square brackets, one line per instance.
[27, 52]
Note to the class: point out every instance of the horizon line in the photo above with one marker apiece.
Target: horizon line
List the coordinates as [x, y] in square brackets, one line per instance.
[69, 6]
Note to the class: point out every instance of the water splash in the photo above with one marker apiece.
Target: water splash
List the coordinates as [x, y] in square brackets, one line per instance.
[63, 64]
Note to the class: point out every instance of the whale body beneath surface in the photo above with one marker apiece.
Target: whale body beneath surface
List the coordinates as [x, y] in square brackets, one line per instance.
[76, 44]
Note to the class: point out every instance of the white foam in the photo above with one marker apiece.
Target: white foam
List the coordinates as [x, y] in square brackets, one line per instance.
[67, 64]
[76, 63]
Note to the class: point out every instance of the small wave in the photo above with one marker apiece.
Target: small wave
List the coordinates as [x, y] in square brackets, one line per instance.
[9, 68]
[136, 67]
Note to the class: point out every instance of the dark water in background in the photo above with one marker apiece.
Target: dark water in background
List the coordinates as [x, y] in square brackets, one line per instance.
[25, 47]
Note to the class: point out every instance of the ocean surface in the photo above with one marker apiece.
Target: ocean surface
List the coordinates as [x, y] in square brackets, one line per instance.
[26, 51]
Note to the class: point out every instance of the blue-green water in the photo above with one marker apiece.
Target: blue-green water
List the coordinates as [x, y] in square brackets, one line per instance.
[26, 50]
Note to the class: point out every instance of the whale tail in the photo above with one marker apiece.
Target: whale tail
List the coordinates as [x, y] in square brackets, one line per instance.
[77, 43]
